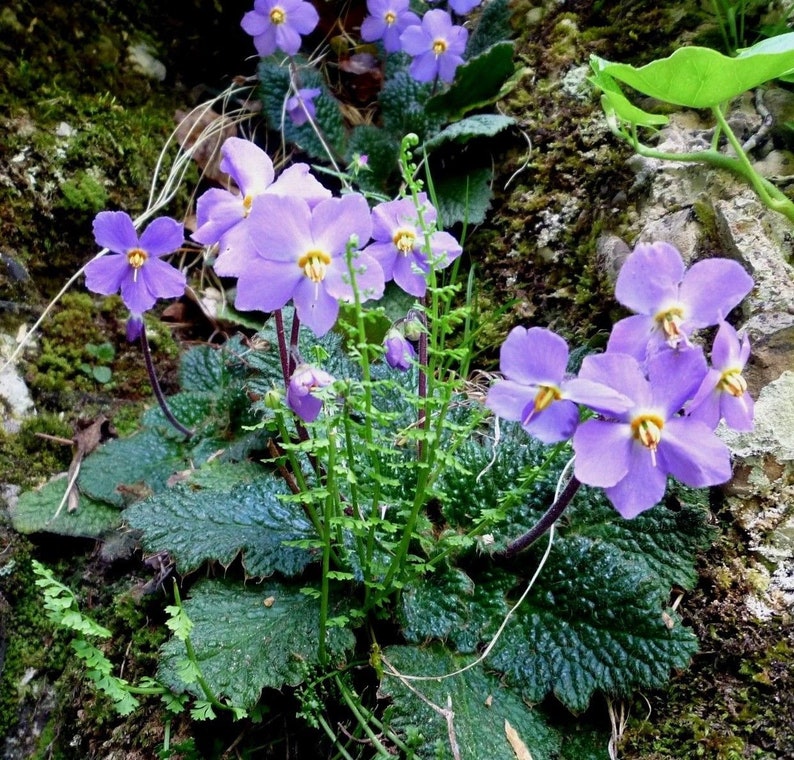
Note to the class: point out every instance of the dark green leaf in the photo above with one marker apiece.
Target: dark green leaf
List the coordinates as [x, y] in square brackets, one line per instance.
[493, 26]
[594, 622]
[464, 197]
[35, 513]
[229, 510]
[478, 704]
[125, 469]
[248, 639]
[202, 369]
[481, 125]
[404, 109]
[478, 82]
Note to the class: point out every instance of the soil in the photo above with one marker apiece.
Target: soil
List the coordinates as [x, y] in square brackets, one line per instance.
[82, 130]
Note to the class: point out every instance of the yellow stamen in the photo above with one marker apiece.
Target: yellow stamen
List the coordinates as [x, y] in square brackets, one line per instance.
[647, 429]
[544, 398]
[278, 16]
[389, 17]
[670, 322]
[439, 46]
[732, 382]
[404, 240]
[248, 201]
[314, 265]
[136, 257]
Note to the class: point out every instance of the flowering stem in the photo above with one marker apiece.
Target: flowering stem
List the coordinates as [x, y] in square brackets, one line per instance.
[282, 346]
[158, 391]
[293, 343]
[546, 521]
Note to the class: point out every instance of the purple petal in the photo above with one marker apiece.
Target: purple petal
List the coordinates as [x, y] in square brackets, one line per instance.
[134, 327]
[598, 397]
[424, 68]
[675, 376]
[386, 255]
[642, 488]
[297, 181]
[557, 422]
[248, 165]
[254, 23]
[632, 336]
[711, 288]
[288, 39]
[286, 239]
[302, 17]
[649, 277]
[265, 43]
[603, 452]
[267, 286]
[409, 276]
[621, 372]
[334, 222]
[691, 452]
[444, 249]
[106, 274]
[414, 41]
[447, 66]
[508, 399]
[216, 212]
[369, 278]
[738, 412]
[533, 357]
[115, 231]
[162, 236]
[236, 251]
[162, 280]
[373, 28]
[136, 294]
[437, 23]
[705, 404]
[727, 351]
[316, 308]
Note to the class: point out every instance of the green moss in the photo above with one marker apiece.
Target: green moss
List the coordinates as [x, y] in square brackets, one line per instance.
[84, 193]
[27, 459]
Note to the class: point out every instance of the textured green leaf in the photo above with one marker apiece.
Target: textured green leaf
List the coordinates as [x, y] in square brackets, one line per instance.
[35, 510]
[403, 103]
[274, 80]
[481, 125]
[248, 639]
[479, 702]
[464, 197]
[382, 151]
[594, 622]
[478, 82]
[237, 511]
[203, 369]
[493, 26]
[699, 77]
[125, 469]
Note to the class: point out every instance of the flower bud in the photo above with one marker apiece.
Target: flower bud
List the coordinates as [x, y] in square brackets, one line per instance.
[399, 352]
[303, 382]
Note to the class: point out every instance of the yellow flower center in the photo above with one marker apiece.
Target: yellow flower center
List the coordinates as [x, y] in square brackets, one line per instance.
[404, 240]
[670, 322]
[732, 382]
[278, 16]
[314, 265]
[389, 17]
[544, 398]
[439, 46]
[136, 258]
[248, 201]
[647, 429]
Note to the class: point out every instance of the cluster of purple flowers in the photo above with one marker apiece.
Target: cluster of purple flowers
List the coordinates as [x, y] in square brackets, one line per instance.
[285, 239]
[655, 400]
[434, 42]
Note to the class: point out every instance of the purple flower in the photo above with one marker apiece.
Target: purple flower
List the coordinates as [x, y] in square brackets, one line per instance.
[399, 352]
[279, 24]
[723, 392]
[437, 46]
[535, 391]
[306, 379]
[135, 267]
[462, 7]
[631, 454]
[671, 301]
[399, 245]
[300, 107]
[303, 256]
[222, 216]
[388, 20]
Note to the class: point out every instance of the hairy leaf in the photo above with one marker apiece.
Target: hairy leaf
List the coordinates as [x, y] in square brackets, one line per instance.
[594, 622]
[467, 711]
[403, 103]
[493, 26]
[481, 125]
[464, 197]
[35, 512]
[247, 639]
[235, 512]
